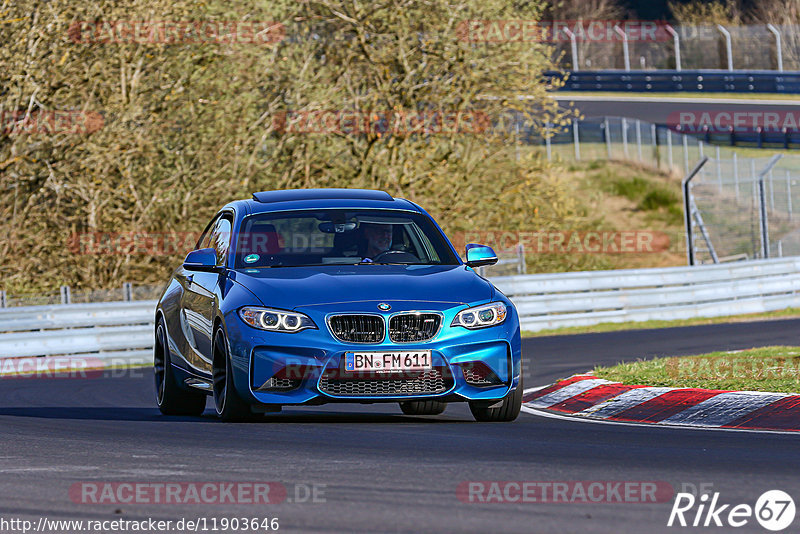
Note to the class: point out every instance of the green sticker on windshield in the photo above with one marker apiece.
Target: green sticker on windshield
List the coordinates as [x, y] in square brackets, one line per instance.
[251, 258]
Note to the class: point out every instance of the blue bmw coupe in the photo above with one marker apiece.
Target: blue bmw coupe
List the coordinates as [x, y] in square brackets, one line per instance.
[306, 297]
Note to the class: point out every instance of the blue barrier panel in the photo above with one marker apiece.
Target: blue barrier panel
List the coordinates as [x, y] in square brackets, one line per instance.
[712, 81]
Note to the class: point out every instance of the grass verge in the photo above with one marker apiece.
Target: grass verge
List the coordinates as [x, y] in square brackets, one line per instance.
[643, 325]
[774, 369]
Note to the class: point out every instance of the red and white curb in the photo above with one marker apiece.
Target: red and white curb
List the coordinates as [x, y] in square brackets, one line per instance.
[589, 397]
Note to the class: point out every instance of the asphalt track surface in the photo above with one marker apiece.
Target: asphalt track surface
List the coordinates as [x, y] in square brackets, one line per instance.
[383, 471]
[658, 109]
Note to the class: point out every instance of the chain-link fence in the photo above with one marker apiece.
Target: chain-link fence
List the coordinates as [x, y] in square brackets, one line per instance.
[66, 295]
[749, 47]
[743, 208]
[629, 140]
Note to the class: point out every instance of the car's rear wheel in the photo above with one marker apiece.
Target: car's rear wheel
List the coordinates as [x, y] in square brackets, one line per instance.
[171, 398]
[430, 407]
[228, 404]
[508, 410]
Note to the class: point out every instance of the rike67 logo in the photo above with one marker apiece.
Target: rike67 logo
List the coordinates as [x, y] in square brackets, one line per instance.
[774, 510]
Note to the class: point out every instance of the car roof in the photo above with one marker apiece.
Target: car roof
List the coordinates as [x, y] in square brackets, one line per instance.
[288, 195]
[296, 199]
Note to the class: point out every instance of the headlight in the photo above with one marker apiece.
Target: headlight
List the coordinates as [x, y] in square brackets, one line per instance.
[481, 316]
[275, 320]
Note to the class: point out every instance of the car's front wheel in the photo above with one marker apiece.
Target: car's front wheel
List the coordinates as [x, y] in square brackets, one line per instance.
[228, 404]
[171, 398]
[507, 410]
[431, 407]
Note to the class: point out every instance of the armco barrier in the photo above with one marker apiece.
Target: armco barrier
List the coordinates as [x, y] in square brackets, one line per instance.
[118, 331]
[707, 81]
[123, 331]
[547, 301]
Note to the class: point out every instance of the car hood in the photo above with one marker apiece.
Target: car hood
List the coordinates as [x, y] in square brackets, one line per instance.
[302, 287]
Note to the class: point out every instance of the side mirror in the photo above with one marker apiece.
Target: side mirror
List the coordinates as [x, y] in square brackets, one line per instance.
[480, 255]
[202, 259]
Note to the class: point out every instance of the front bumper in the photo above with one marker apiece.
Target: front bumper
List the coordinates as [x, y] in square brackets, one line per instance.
[307, 367]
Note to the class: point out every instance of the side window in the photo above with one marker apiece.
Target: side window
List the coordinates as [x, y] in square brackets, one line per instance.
[205, 239]
[220, 238]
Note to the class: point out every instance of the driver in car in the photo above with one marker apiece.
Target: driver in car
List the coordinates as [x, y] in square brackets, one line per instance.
[378, 239]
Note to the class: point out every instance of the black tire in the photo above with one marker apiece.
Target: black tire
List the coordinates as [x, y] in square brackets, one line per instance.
[170, 397]
[227, 403]
[431, 407]
[506, 412]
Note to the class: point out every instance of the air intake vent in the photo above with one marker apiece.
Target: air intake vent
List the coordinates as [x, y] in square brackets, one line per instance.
[411, 327]
[435, 381]
[357, 328]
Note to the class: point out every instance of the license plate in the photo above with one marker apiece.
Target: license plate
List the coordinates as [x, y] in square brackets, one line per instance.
[388, 362]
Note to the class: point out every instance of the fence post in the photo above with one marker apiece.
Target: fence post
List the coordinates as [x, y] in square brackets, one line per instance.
[728, 47]
[127, 292]
[719, 169]
[702, 155]
[762, 205]
[576, 139]
[626, 56]
[789, 194]
[736, 175]
[686, 152]
[778, 50]
[573, 43]
[625, 137]
[676, 40]
[654, 139]
[66, 295]
[547, 145]
[669, 149]
[639, 138]
[521, 267]
[607, 132]
[755, 206]
[771, 192]
[687, 208]
[3, 300]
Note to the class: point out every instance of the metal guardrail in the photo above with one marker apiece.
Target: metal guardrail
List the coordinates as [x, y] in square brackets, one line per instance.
[123, 331]
[704, 81]
[547, 301]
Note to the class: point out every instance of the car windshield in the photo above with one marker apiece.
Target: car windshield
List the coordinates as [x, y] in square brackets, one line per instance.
[340, 237]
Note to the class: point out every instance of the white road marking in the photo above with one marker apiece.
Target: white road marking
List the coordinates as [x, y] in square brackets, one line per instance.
[623, 402]
[567, 392]
[723, 408]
